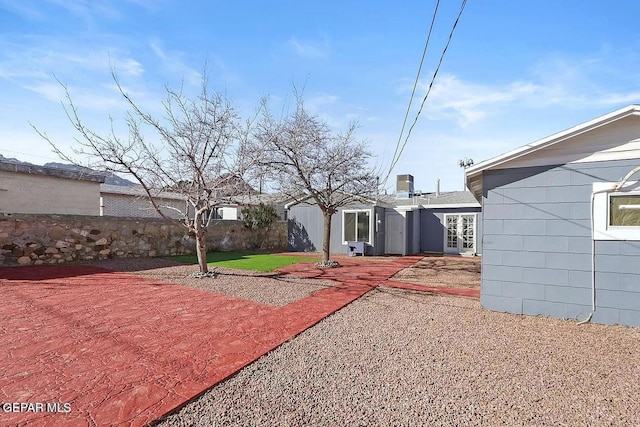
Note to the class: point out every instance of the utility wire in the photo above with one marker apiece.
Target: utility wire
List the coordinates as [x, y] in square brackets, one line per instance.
[435, 73]
[415, 85]
[28, 154]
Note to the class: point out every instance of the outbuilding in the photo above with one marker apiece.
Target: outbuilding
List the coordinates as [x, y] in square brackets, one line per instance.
[561, 223]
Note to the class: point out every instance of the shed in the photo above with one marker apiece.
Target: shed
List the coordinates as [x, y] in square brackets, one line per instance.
[561, 223]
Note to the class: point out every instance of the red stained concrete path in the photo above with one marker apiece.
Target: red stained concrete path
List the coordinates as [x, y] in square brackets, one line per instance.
[125, 350]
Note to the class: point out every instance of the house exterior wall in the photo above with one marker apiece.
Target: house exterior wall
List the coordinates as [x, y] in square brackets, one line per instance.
[229, 212]
[536, 246]
[415, 237]
[432, 227]
[412, 241]
[409, 233]
[44, 194]
[306, 229]
[379, 231]
[125, 205]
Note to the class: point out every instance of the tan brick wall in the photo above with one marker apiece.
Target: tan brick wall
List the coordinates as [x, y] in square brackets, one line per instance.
[41, 194]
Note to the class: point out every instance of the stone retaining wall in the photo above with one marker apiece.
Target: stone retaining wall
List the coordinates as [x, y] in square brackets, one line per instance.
[52, 239]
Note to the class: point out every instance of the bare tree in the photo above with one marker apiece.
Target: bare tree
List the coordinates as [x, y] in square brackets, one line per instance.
[198, 149]
[308, 161]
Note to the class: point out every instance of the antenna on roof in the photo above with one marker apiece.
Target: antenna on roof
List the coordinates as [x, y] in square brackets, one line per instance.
[464, 164]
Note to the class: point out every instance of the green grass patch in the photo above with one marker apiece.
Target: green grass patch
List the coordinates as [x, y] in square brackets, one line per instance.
[246, 261]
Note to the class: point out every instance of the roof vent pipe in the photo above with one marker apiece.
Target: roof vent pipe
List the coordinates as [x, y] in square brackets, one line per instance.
[438, 187]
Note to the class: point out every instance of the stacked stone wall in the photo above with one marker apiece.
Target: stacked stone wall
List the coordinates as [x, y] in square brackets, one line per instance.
[54, 239]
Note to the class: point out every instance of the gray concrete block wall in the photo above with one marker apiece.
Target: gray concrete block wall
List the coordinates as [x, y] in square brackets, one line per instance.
[537, 245]
[306, 229]
[432, 227]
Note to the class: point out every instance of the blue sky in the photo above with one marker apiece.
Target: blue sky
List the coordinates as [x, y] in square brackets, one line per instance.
[516, 71]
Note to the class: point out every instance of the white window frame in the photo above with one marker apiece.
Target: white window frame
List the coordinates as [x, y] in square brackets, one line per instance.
[601, 215]
[344, 242]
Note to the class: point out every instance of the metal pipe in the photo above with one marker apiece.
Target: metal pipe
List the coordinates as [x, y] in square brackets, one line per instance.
[617, 187]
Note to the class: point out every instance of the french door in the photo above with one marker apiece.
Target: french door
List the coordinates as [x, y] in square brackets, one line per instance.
[460, 233]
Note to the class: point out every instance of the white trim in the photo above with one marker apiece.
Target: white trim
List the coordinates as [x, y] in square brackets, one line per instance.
[473, 174]
[451, 205]
[459, 249]
[406, 208]
[356, 197]
[371, 225]
[553, 139]
[602, 191]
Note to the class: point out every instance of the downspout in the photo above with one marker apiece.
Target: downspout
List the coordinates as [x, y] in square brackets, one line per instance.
[615, 187]
[593, 259]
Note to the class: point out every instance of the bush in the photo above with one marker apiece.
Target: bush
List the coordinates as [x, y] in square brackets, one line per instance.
[259, 217]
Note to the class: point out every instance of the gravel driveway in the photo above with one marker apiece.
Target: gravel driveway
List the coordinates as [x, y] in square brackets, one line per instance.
[397, 357]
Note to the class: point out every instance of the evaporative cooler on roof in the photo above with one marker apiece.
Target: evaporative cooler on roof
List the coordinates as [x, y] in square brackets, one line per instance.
[404, 186]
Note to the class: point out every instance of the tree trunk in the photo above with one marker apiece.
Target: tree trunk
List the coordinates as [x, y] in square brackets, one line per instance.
[201, 244]
[326, 241]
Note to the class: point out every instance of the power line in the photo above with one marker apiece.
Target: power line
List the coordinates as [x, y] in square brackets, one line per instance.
[28, 154]
[433, 78]
[415, 85]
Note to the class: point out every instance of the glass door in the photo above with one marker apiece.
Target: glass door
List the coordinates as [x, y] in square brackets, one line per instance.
[451, 234]
[460, 233]
[467, 232]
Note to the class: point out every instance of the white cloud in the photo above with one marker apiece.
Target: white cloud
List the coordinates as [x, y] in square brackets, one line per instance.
[87, 10]
[309, 49]
[468, 102]
[50, 91]
[23, 8]
[315, 104]
[41, 58]
[174, 63]
[558, 83]
[93, 98]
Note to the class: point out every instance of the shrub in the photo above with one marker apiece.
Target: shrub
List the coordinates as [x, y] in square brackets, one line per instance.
[259, 217]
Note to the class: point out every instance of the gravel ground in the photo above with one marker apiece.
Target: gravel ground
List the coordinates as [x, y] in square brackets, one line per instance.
[452, 272]
[397, 357]
[266, 288]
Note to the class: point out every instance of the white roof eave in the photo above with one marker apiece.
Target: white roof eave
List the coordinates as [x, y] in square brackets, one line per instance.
[474, 173]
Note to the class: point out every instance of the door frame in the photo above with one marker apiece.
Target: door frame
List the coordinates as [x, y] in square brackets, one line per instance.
[459, 238]
[387, 234]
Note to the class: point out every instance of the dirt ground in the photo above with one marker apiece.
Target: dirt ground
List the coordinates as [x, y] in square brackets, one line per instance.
[444, 271]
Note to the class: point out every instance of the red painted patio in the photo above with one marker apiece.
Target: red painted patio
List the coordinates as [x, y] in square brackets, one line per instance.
[118, 349]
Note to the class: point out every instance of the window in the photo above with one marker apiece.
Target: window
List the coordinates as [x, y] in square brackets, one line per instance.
[356, 226]
[616, 215]
[624, 210]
